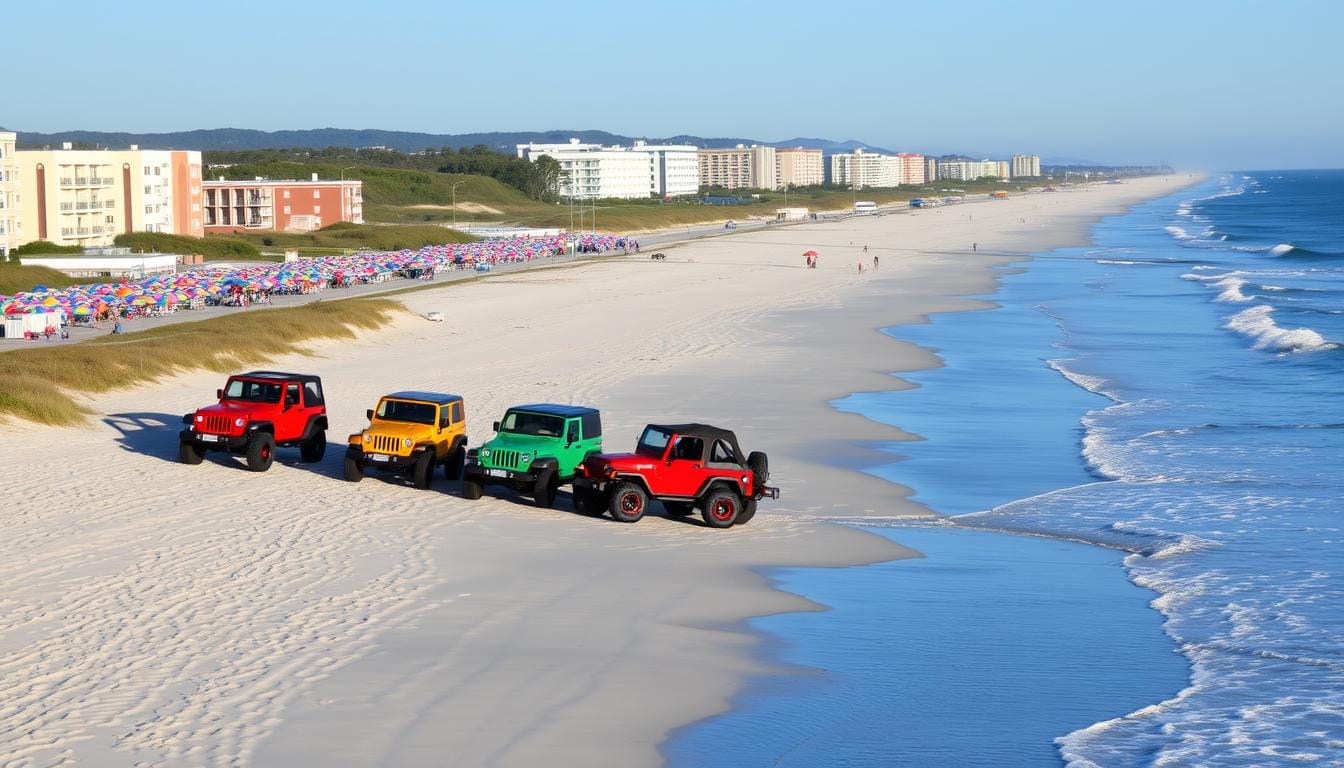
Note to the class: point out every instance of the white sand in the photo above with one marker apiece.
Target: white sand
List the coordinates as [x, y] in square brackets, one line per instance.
[160, 614]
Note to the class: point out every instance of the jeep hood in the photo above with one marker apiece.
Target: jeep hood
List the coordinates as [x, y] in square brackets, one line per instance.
[509, 441]
[401, 429]
[625, 462]
[233, 409]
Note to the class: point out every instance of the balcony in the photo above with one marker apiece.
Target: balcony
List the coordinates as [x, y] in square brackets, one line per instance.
[87, 181]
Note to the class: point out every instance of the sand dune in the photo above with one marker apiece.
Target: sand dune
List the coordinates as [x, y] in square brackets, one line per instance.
[161, 614]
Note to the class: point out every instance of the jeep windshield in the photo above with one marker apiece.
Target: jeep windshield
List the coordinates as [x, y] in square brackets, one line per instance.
[652, 442]
[535, 424]
[253, 391]
[400, 410]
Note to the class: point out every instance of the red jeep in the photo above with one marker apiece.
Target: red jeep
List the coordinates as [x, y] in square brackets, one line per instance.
[256, 412]
[685, 466]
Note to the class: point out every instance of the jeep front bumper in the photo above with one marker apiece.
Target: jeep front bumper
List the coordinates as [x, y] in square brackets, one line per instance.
[209, 442]
[388, 461]
[518, 478]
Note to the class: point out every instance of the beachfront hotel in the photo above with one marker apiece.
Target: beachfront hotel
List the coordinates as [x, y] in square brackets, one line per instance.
[739, 167]
[869, 169]
[636, 172]
[799, 167]
[968, 170]
[10, 233]
[282, 205]
[88, 197]
[1026, 165]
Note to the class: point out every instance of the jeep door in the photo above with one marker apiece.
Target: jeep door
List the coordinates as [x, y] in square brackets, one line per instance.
[293, 415]
[683, 472]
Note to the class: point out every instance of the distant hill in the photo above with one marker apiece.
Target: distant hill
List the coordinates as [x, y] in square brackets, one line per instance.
[404, 141]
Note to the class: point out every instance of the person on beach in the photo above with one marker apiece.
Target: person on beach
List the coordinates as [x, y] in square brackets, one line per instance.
[865, 249]
[860, 266]
[874, 261]
[116, 327]
[975, 247]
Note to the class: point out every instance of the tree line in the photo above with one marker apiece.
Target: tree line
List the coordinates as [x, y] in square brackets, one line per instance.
[538, 180]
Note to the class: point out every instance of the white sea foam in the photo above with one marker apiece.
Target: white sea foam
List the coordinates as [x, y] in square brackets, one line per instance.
[1257, 323]
[1231, 293]
[1090, 383]
[1179, 233]
[1281, 249]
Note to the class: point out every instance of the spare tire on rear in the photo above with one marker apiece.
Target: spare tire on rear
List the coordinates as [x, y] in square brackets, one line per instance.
[760, 469]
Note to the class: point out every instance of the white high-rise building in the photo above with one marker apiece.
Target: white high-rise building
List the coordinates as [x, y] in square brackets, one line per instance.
[968, 170]
[1026, 165]
[10, 234]
[861, 169]
[595, 171]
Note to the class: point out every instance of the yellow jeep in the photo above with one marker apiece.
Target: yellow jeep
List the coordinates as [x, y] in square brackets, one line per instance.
[411, 433]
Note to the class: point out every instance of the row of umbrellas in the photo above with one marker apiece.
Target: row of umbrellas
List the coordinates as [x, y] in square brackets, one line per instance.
[171, 291]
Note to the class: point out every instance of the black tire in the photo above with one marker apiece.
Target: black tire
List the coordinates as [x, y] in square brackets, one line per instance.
[188, 453]
[627, 502]
[261, 451]
[315, 447]
[588, 502]
[422, 474]
[543, 491]
[760, 469]
[456, 462]
[354, 471]
[748, 512]
[722, 508]
[678, 508]
[471, 489]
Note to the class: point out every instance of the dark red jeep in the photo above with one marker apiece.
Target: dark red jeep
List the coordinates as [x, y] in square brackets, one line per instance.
[685, 466]
[257, 412]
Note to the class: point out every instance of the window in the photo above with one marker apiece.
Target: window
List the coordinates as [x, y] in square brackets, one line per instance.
[317, 209]
[147, 189]
[312, 393]
[286, 196]
[688, 448]
[722, 452]
[317, 194]
[146, 170]
[286, 210]
[539, 424]
[572, 434]
[652, 442]
[149, 209]
[291, 394]
[252, 391]
[457, 412]
[157, 171]
[592, 425]
[400, 410]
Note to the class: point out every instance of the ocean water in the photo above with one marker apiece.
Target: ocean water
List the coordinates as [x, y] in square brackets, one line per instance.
[1172, 393]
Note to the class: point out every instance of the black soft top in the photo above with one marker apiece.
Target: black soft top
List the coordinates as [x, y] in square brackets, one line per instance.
[438, 398]
[703, 431]
[551, 409]
[278, 376]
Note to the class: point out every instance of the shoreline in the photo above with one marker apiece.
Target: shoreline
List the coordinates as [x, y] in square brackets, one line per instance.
[440, 615]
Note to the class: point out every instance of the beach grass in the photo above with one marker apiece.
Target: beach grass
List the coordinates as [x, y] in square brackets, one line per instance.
[15, 278]
[41, 384]
[343, 236]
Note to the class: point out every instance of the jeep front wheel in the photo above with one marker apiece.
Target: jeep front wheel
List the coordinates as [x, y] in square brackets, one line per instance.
[471, 489]
[722, 508]
[315, 447]
[354, 471]
[628, 502]
[423, 472]
[188, 453]
[543, 491]
[260, 451]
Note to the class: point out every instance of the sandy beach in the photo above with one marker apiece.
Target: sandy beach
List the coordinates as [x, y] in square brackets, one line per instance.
[162, 614]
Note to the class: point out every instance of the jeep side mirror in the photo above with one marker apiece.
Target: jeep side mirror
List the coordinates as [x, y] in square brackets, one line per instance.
[495, 426]
[369, 414]
[219, 394]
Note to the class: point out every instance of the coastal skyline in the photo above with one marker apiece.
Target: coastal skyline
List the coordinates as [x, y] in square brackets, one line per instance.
[974, 78]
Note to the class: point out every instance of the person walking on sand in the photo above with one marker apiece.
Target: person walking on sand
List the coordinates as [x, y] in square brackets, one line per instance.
[874, 261]
[975, 247]
[860, 266]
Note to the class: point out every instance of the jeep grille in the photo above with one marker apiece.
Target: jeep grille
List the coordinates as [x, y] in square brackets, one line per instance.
[506, 459]
[385, 444]
[218, 425]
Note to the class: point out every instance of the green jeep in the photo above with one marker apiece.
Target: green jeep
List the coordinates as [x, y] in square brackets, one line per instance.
[536, 450]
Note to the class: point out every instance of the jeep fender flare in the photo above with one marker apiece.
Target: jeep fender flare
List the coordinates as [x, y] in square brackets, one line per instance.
[714, 483]
[545, 462]
[260, 426]
[458, 442]
[315, 422]
[637, 479]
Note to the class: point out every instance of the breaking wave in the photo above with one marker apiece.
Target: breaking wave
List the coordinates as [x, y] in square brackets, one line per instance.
[1257, 323]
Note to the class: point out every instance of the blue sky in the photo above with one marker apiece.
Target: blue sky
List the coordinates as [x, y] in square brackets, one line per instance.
[1196, 84]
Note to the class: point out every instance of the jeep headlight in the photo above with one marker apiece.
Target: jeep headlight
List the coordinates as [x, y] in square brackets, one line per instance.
[368, 438]
[525, 458]
[199, 417]
[406, 442]
[240, 421]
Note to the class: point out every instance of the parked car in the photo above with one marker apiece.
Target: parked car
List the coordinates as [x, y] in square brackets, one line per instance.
[411, 433]
[258, 412]
[535, 450]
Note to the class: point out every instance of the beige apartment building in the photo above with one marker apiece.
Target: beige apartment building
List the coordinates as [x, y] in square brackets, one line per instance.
[740, 167]
[88, 197]
[1026, 165]
[799, 167]
[10, 234]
